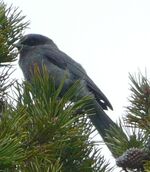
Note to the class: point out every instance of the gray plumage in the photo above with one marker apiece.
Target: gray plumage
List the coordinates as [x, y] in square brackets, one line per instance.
[40, 50]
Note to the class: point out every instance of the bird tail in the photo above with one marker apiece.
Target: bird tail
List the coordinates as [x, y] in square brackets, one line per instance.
[101, 121]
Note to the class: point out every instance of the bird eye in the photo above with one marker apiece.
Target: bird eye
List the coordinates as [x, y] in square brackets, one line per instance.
[29, 42]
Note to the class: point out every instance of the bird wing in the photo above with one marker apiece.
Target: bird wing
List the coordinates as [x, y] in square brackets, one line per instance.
[63, 61]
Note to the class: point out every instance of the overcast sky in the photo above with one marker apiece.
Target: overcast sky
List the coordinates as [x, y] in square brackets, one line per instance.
[110, 38]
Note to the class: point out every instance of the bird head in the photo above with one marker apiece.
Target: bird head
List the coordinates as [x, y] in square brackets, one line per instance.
[33, 40]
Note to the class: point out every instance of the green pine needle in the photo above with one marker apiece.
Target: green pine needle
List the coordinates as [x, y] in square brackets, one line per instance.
[138, 113]
[54, 135]
[127, 136]
[12, 25]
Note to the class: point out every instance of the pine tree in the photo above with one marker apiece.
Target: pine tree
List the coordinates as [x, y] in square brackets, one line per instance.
[133, 151]
[39, 131]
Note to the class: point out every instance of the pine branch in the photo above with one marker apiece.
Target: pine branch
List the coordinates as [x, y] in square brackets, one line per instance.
[119, 140]
[12, 25]
[139, 111]
[133, 150]
[11, 150]
[53, 135]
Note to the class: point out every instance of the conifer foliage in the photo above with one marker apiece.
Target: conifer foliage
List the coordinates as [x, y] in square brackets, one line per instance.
[132, 150]
[12, 25]
[42, 131]
[39, 131]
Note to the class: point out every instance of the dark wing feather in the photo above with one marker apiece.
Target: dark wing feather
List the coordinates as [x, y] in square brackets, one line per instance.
[100, 97]
[55, 58]
[62, 60]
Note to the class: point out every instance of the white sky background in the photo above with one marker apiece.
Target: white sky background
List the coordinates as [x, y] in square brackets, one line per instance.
[110, 38]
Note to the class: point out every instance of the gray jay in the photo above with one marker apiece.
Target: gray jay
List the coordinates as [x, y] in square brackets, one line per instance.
[40, 50]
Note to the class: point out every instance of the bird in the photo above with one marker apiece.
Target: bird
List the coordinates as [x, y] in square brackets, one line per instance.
[41, 50]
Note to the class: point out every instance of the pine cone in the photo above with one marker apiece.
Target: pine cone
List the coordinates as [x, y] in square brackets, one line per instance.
[133, 159]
